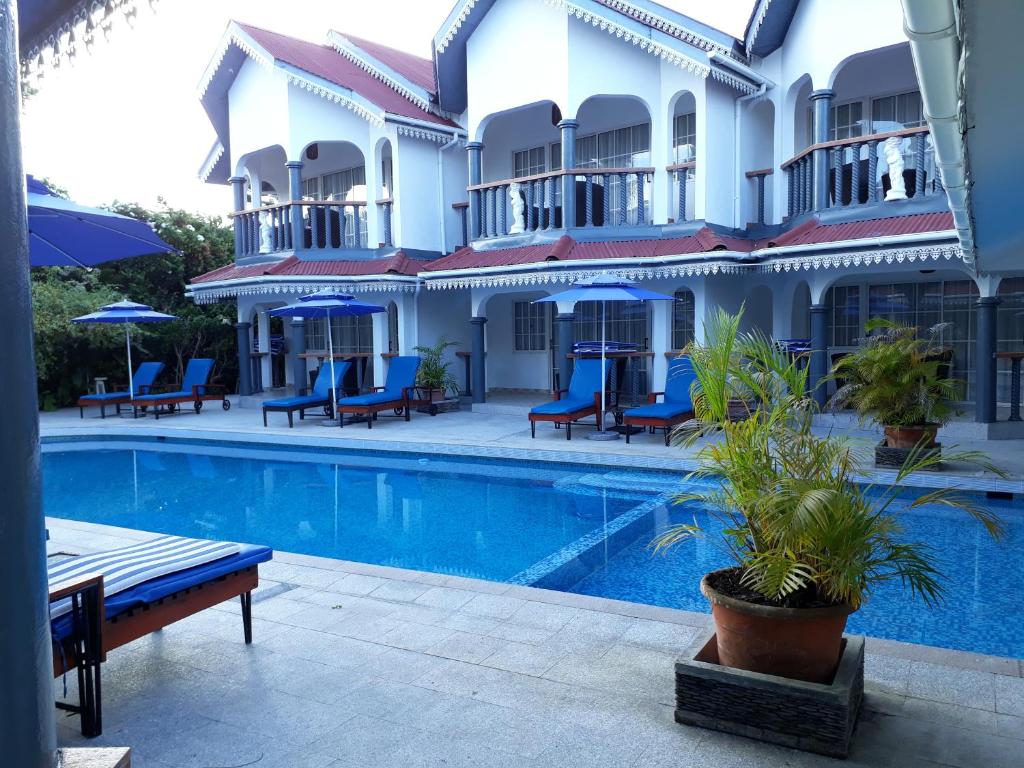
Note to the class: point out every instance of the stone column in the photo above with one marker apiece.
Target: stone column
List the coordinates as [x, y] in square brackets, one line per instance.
[479, 360]
[984, 363]
[821, 103]
[266, 362]
[300, 378]
[295, 193]
[563, 324]
[244, 359]
[27, 729]
[818, 363]
[238, 199]
[474, 153]
[568, 128]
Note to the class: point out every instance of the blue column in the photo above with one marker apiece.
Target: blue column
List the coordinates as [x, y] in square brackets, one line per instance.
[568, 128]
[27, 729]
[244, 359]
[478, 352]
[821, 102]
[298, 346]
[238, 204]
[818, 364]
[474, 154]
[984, 362]
[564, 321]
[295, 193]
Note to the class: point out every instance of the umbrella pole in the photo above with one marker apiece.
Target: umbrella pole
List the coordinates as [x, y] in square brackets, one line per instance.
[131, 378]
[330, 354]
[601, 433]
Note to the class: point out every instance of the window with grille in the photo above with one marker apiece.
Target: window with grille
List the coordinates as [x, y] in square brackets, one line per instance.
[846, 326]
[530, 326]
[628, 321]
[845, 122]
[904, 109]
[620, 148]
[348, 334]
[340, 185]
[528, 162]
[683, 318]
[311, 188]
[684, 137]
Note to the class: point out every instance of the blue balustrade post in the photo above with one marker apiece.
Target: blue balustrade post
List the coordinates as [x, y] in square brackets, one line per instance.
[855, 176]
[295, 193]
[837, 179]
[387, 224]
[818, 365]
[244, 359]
[681, 193]
[479, 360]
[502, 203]
[564, 322]
[623, 197]
[821, 102]
[760, 198]
[298, 347]
[790, 207]
[529, 206]
[919, 165]
[238, 205]
[984, 362]
[872, 171]
[606, 189]
[808, 164]
[589, 200]
[474, 154]
[568, 128]
[641, 212]
[552, 199]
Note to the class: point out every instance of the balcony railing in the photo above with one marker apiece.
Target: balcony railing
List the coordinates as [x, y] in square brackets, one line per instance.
[605, 197]
[853, 170]
[683, 181]
[322, 224]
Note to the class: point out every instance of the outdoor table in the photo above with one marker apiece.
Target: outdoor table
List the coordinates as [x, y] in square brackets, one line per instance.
[360, 359]
[630, 370]
[1014, 358]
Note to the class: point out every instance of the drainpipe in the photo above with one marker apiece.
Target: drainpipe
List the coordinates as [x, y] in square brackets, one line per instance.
[440, 189]
[931, 27]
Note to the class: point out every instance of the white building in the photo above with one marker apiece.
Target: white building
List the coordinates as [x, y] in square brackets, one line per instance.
[792, 172]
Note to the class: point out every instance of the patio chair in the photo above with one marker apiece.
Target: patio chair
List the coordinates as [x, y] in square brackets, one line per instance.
[676, 406]
[396, 394]
[102, 601]
[320, 397]
[195, 388]
[143, 379]
[582, 398]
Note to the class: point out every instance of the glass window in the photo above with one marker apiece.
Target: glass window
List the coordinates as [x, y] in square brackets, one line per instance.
[684, 137]
[892, 111]
[620, 148]
[348, 334]
[555, 153]
[311, 188]
[530, 326]
[683, 318]
[528, 162]
[845, 122]
[342, 185]
[846, 325]
[1009, 330]
[629, 322]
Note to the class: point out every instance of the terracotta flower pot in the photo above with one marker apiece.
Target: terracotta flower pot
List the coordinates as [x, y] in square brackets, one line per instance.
[908, 437]
[799, 643]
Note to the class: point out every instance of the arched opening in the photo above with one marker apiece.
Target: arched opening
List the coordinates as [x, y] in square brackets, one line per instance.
[334, 173]
[521, 142]
[351, 338]
[684, 319]
[626, 324]
[393, 343]
[758, 154]
[757, 310]
[799, 106]
[684, 154]
[266, 176]
[520, 343]
[800, 323]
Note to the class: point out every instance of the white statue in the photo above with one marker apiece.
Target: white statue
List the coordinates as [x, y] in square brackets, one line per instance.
[893, 149]
[516, 201]
[266, 234]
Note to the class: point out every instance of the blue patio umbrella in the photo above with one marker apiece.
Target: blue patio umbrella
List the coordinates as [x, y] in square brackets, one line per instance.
[65, 234]
[126, 313]
[327, 305]
[605, 288]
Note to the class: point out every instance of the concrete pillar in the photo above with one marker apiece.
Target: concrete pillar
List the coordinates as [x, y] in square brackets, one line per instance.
[295, 193]
[266, 364]
[819, 351]
[563, 323]
[238, 200]
[379, 328]
[984, 363]
[821, 103]
[27, 729]
[478, 360]
[568, 129]
[244, 359]
[300, 379]
[474, 154]
[661, 342]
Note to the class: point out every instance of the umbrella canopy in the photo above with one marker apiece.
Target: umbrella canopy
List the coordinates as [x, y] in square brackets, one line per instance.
[605, 288]
[327, 304]
[127, 313]
[65, 234]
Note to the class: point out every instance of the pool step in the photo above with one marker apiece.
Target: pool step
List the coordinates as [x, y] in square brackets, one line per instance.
[619, 485]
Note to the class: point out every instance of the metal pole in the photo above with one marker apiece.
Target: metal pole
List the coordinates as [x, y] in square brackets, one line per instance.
[27, 729]
[330, 354]
[131, 379]
[604, 320]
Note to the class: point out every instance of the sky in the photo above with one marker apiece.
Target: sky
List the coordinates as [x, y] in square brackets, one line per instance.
[125, 123]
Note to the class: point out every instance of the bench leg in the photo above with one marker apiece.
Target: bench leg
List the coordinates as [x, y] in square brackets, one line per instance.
[246, 598]
[628, 430]
[568, 430]
[291, 419]
[370, 416]
[533, 429]
[264, 417]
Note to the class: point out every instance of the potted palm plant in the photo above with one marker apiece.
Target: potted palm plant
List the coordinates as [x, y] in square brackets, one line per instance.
[808, 543]
[434, 379]
[899, 378]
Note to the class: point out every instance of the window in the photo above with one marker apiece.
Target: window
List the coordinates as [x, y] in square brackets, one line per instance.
[845, 122]
[620, 148]
[348, 334]
[628, 321]
[342, 184]
[684, 137]
[846, 325]
[311, 188]
[528, 162]
[892, 112]
[683, 314]
[530, 326]
[555, 164]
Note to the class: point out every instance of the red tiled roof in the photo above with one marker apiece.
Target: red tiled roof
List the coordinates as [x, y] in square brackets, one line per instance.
[398, 264]
[325, 62]
[813, 232]
[415, 69]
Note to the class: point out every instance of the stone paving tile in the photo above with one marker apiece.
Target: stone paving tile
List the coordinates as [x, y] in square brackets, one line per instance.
[493, 606]
[400, 665]
[357, 584]
[321, 646]
[465, 646]
[464, 622]
[544, 616]
[963, 687]
[399, 591]
[415, 637]
[446, 598]
[369, 627]
[671, 638]
[525, 659]
[364, 741]
[1010, 695]
[420, 614]
[518, 633]
[886, 674]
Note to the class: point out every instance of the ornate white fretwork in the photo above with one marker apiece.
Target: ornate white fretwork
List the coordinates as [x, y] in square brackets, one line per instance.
[846, 259]
[455, 26]
[567, 276]
[215, 292]
[233, 38]
[416, 98]
[425, 134]
[755, 24]
[329, 94]
[652, 19]
[216, 153]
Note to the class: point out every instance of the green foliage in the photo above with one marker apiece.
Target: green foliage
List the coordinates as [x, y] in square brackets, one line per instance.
[66, 369]
[434, 372]
[798, 526]
[894, 377]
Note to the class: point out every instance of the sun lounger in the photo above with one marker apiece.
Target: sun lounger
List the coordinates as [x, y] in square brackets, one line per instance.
[143, 379]
[195, 389]
[396, 394]
[581, 399]
[102, 601]
[320, 397]
[676, 406]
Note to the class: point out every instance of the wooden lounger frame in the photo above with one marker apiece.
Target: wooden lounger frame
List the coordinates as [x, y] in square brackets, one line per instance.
[401, 407]
[655, 422]
[87, 646]
[567, 418]
[291, 409]
[219, 392]
[117, 402]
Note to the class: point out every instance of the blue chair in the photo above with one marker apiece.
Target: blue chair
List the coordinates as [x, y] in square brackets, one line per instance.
[195, 388]
[582, 398]
[676, 405]
[143, 379]
[320, 397]
[396, 394]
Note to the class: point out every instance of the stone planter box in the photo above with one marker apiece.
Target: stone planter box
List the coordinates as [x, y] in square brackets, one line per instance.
[793, 713]
[439, 406]
[894, 457]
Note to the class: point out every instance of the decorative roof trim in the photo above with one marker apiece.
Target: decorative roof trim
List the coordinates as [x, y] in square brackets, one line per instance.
[212, 158]
[414, 132]
[662, 24]
[331, 93]
[269, 285]
[943, 252]
[233, 37]
[732, 81]
[337, 40]
[455, 26]
[755, 24]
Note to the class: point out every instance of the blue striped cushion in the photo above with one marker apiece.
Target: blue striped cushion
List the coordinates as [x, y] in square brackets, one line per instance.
[126, 567]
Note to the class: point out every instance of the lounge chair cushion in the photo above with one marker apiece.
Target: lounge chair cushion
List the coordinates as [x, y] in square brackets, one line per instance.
[144, 376]
[586, 378]
[197, 373]
[321, 394]
[305, 401]
[401, 376]
[679, 380]
[374, 398]
[659, 411]
[558, 407]
[105, 397]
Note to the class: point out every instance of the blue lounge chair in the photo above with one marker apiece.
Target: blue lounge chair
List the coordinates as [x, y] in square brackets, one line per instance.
[143, 379]
[676, 406]
[582, 398]
[195, 389]
[102, 601]
[320, 397]
[396, 394]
